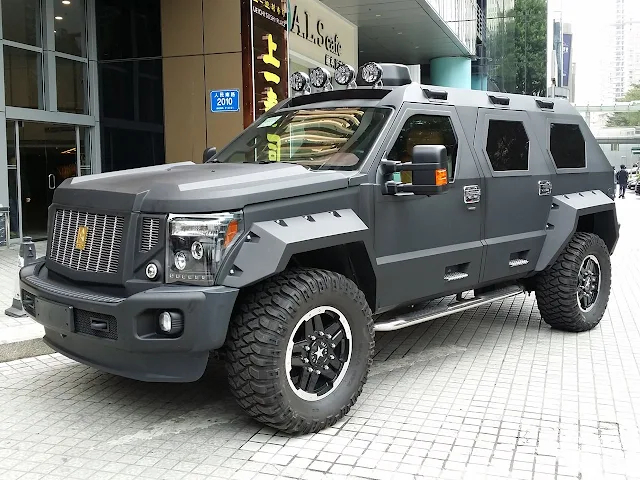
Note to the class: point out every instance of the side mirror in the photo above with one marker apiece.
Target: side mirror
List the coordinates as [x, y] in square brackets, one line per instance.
[429, 169]
[208, 154]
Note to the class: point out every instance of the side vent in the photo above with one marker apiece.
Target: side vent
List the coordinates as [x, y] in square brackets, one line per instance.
[519, 259]
[456, 272]
[150, 234]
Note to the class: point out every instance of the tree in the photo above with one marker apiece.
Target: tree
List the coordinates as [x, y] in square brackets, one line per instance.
[631, 119]
[517, 45]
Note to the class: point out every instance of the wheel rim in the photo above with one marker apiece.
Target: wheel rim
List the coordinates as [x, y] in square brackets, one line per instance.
[318, 353]
[589, 279]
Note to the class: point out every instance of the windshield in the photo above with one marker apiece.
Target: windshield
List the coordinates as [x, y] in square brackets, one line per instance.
[328, 138]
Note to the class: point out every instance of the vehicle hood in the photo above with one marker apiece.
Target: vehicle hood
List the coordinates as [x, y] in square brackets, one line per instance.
[195, 188]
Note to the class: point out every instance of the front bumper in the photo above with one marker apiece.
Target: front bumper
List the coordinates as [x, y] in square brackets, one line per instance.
[126, 341]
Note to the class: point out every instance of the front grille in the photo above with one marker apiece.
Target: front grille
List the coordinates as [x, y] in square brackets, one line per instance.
[96, 324]
[101, 251]
[150, 234]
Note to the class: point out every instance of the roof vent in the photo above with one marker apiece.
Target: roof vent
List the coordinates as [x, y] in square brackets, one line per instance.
[499, 100]
[548, 104]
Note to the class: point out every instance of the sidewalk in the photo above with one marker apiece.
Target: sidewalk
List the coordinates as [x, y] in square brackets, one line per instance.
[20, 329]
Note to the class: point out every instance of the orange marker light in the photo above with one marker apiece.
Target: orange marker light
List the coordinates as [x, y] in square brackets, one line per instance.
[441, 177]
[232, 231]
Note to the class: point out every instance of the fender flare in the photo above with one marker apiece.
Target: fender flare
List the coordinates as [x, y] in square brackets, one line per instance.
[566, 211]
[268, 246]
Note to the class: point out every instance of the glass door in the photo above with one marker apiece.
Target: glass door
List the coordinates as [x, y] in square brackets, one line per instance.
[47, 155]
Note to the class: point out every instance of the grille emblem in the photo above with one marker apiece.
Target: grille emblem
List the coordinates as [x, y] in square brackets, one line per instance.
[81, 237]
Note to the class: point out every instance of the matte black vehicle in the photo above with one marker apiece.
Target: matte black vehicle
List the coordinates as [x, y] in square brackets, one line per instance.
[336, 214]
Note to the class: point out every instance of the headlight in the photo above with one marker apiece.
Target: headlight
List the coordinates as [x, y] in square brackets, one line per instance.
[198, 243]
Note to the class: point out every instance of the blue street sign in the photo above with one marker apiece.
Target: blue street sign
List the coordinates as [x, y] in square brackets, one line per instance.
[225, 101]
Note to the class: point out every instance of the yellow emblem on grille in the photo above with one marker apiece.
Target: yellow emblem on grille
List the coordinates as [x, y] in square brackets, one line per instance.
[81, 237]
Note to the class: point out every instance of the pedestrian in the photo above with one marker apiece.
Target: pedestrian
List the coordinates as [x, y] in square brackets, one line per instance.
[623, 178]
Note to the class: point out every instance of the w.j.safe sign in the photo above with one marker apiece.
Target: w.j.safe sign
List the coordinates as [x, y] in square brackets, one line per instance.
[225, 101]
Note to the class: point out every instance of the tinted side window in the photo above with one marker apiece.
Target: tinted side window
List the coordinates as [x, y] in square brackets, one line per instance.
[567, 146]
[425, 130]
[508, 146]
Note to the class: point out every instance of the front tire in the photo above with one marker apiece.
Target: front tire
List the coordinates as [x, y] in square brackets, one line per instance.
[299, 350]
[574, 292]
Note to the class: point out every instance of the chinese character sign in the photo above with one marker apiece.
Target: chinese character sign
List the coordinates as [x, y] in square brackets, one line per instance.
[270, 55]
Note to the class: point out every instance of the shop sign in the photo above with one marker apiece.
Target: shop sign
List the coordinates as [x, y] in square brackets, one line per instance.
[320, 34]
[270, 57]
[225, 101]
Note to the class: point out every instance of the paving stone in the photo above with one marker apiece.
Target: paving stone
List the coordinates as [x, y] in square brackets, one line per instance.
[489, 393]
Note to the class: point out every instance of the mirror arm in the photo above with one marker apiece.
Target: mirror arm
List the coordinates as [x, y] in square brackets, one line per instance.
[395, 188]
[390, 166]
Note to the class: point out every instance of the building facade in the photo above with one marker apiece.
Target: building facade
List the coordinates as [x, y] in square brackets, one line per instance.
[92, 86]
[516, 46]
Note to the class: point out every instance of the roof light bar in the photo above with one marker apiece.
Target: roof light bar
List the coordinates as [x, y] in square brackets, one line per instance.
[300, 83]
[371, 74]
[346, 76]
[321, 79]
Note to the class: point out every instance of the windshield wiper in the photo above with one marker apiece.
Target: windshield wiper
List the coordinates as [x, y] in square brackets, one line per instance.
[262, 162]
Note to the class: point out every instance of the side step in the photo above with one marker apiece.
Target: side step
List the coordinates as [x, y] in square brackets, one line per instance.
[433, 312]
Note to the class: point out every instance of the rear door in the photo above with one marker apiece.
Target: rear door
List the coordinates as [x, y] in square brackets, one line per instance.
[518, 192]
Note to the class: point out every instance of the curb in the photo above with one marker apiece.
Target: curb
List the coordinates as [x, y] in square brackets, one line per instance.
[23, 349]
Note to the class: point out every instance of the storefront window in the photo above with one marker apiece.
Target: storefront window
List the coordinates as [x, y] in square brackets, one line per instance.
[71, 85]
[21, 21]
[70, 27]
[22, 77]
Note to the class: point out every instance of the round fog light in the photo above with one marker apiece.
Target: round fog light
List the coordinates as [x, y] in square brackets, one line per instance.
[151, 271]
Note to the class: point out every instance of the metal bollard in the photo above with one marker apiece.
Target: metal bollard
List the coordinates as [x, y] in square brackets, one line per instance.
[26, 256]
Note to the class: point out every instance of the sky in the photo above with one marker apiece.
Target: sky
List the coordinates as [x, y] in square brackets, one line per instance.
[591, 22]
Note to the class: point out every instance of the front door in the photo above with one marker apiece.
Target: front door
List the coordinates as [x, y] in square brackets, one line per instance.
[518, 192]
[48, 156]
[429, 246]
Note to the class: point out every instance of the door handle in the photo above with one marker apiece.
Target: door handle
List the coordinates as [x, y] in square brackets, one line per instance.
[472, 194]
[52, 181]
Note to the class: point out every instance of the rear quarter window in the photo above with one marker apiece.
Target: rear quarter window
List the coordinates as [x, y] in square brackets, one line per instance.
[567, 146]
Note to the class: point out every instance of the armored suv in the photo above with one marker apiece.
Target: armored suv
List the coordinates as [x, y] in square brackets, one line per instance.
[338, 213]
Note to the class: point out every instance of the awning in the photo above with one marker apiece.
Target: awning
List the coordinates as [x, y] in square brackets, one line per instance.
[410, 31]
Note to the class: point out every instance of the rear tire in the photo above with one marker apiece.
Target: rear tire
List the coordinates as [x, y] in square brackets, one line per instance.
[299, 350]
[574, 292]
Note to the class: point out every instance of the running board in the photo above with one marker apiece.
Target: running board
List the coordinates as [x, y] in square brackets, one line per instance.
[432, 313]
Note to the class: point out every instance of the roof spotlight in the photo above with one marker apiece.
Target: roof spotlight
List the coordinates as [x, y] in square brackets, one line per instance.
[371, 74]
[321, 79]
[346, 75]
[300, 83]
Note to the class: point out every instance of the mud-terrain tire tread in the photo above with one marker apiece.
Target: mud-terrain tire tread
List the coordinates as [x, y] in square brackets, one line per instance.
[257, 335]
[556, 286]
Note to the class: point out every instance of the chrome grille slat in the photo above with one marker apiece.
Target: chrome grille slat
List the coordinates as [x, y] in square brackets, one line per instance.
[150, 234]
[104, 239]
